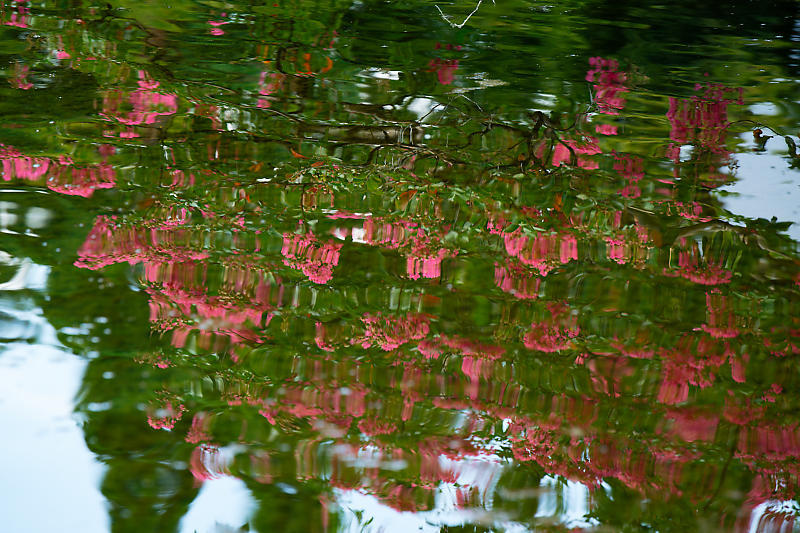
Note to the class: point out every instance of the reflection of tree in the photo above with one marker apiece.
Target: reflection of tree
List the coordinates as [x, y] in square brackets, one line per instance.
[350, 295]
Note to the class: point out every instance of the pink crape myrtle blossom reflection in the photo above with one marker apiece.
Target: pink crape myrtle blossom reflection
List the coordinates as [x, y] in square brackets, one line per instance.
[425, 259]
[207, 463]
[691, 425]
[702, 121]
[609, 84]
[694, 361]
[635, 346]
[268, 87]
[372, 427]
[20, 17]
[423, 247]
[78, 181]
[216, 25]
[606, 129]
[433, 348]
[19, 77]
[693, 210]
[632, 169]
[554, 333]
[180, 306]
[445, 68]
[721, 321]
[628, 245]
[784, 341]
[19, 166]
[147, 104]
[110, 242]
[314, 258]
[542, 252]
[702, 270]
[562, 152]
[199, 432]
[165, 415]
[390, 332]
[517, 280]
[62, 175]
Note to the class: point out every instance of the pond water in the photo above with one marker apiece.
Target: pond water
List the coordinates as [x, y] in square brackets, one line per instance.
[399, 266]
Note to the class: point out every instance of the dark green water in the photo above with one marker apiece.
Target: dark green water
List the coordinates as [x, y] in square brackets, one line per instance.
[345, 266]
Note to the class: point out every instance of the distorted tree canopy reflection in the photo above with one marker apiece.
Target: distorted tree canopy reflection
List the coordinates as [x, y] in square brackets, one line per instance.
[370, 263]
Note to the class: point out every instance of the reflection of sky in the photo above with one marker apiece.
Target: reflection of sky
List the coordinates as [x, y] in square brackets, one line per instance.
[565, 503]
[766, 186]
[223, 504]
[50, 479]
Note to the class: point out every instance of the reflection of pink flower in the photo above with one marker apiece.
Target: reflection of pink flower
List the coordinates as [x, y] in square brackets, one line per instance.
[427, 267]
[268, 88]
[692, 362]
[216, 26]
[692, 426]
[586, 146]
[165, 416]
[372, 426]
[742, 414]
[555, 333]
[688, 210]
[207, 463]
[609, 84]
[703, 119]
[721, 319]
[704, 271]
[425, 256]
[517, 281]
[109, 242]
[542, 252]
[423, 247]
[19, 78]
[635, 349]
[20, 19]
[313, 257]
[615, 248]
[391, 332]
[629, 167]
[549, 338]
[606, 129]
[62, 176]
[199, 431]
[16, 165]
[445, 69]
[148, 105]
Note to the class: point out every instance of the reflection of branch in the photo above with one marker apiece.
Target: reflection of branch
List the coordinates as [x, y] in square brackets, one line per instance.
[673, 236]
[459, 26]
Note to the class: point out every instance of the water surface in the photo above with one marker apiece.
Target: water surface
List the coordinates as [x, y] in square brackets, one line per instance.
[346, 266]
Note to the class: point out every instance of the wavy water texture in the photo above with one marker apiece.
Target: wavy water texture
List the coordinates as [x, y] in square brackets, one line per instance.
[399, 267]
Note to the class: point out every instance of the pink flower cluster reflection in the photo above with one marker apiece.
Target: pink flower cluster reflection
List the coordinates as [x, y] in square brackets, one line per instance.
[544, 251]
[445, 68]
[703, 270]
[609, 84]
[314, 258]
[423, 248]
[148, 105]
[61, 175]
[555, 333]
[390, 332]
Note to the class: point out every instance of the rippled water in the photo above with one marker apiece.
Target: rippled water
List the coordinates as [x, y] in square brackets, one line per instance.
[347, 266]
